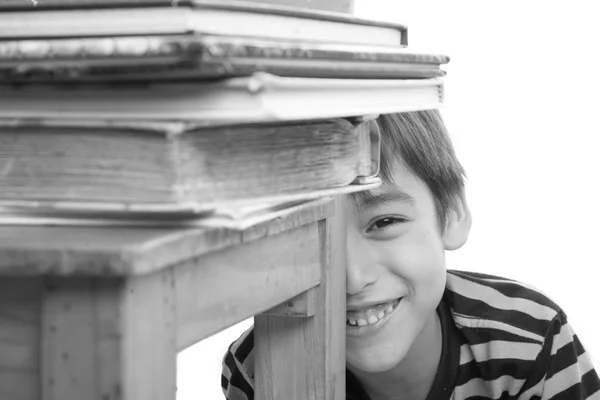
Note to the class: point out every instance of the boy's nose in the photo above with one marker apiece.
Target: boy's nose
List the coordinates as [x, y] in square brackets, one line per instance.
[360, 271]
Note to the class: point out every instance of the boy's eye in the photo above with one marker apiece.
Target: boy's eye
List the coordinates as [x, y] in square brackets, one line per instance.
[383, 223]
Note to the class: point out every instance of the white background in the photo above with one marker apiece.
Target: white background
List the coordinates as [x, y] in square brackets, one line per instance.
[522, 99]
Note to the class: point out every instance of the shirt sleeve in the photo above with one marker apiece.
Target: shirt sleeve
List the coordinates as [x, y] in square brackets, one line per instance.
[237, 380]
[563, 370]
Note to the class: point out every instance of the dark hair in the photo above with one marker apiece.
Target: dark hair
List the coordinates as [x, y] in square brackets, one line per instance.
[420, 141]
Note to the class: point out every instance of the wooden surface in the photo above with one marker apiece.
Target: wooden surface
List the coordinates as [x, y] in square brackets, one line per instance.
[88, 338]
[26, 251]
[331, 320]
[304, 358]
[79, 349]
[149, 337]
[302, 305]
[19, 338]
[113, 338]
[226, 287]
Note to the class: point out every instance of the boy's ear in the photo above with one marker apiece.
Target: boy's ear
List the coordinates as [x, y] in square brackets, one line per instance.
[458, 226]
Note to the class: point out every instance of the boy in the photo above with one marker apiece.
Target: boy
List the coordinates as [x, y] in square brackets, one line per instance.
[416, 331]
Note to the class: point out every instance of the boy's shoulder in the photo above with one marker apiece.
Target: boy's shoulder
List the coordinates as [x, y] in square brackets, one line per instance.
[506, 333]
[480, 300]
[237, 378]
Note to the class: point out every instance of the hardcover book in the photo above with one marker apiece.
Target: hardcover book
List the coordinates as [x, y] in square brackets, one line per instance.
[146, 40]
[100, 18]
[256, 99]
[161, 169]
[178, 57]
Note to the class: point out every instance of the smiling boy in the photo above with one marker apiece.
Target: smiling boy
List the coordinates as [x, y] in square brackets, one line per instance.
[417, 331]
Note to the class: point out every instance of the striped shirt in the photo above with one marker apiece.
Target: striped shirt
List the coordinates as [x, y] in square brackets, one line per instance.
[501, 340]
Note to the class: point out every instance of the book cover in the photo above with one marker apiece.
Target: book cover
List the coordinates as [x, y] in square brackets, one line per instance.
[93, 18]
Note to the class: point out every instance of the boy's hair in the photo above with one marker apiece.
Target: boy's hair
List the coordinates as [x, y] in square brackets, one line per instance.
[421, 142]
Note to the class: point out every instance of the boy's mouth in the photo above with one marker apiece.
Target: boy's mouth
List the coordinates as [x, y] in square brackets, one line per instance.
[371, 315]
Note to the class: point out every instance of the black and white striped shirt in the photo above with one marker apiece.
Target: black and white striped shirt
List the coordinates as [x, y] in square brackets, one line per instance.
[501, 340]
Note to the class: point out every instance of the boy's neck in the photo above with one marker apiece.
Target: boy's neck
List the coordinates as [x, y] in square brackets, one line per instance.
[414, 376]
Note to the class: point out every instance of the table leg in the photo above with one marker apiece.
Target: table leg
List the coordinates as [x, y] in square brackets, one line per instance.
[19, 338]
[304, 358]
[108, 339]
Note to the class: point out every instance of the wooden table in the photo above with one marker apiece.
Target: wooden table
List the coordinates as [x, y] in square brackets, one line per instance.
[100, 313]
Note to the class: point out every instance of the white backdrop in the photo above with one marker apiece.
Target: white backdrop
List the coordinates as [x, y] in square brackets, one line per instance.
[521, 97]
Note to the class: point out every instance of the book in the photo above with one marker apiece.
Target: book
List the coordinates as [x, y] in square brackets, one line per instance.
[192, 57]
[99, 18]
[236, 218]
[230, 215]
[258, 98]
[154, 168]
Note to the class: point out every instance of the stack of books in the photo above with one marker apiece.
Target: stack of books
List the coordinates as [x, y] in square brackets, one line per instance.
[203, 113]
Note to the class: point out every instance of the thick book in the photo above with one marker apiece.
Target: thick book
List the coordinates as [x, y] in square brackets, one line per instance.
[99, 18]
[193, 57]
[158, 168]
[259, 98]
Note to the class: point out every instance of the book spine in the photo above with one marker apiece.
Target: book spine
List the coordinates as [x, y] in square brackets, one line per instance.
[369, 149]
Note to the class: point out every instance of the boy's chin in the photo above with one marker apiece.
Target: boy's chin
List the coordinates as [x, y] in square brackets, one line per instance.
[374, 360]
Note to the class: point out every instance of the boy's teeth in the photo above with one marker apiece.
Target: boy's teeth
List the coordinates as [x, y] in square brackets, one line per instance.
[370, 315]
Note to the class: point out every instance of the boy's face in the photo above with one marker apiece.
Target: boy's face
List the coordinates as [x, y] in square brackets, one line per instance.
[395, 251]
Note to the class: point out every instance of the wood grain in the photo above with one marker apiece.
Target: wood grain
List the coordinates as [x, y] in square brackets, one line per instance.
[304, 358]
[302, 305]
[221, 289]
[19, 338]
[127, 251]
[108, 339]
[331, 303]
[69, 341]
[149, 337]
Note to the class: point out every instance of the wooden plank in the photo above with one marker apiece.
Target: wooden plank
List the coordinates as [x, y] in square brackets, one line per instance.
[304, 358]
[285, 358]
[345, 6]
[19, 338]
[68, 340]
[220, 289]
[127, 251]
[302, 305]
[149, 337]
[80, 330]
[108, 339]
[331, 303]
